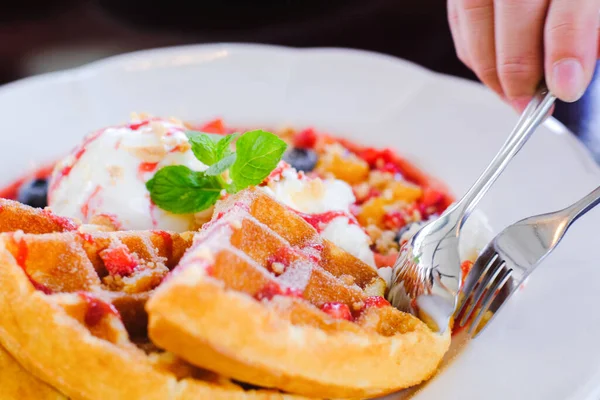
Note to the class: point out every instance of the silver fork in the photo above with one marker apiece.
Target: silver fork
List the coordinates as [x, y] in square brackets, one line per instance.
[427, 275]
[511, 256]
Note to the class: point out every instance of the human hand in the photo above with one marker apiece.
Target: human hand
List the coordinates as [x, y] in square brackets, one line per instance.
[512, 44]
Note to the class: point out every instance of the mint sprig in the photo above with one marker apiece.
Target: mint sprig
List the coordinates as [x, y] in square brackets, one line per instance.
[258, 155]
[180, 190]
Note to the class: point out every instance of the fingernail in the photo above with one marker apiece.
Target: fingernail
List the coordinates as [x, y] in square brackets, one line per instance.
[568, 83]
[520, 103]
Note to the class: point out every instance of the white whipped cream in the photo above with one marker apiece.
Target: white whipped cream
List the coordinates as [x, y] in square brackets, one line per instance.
[317, 196]
[350, 237]
[310, 195]
[107, 174]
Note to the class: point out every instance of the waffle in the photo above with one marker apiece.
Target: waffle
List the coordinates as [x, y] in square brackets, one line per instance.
[17, 383]
[72, 315]
[262, 298]
[16, 216]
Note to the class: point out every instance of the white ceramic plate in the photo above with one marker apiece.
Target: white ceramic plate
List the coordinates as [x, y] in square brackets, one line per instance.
[544, 345]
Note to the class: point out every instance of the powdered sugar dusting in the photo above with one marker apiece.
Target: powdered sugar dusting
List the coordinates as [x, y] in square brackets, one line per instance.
[297, 275]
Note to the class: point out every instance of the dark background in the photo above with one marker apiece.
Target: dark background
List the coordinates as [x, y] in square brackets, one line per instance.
[38, 36]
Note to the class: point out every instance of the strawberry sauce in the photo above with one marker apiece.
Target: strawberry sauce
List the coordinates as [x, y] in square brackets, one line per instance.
[97, 309]
[167, 240]
[21, 258]
[85, 208]
[318, 221]
[272, 289]
[12, 191]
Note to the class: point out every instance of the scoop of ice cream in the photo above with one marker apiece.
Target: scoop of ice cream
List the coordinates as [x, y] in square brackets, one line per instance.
[105, 176]
[325, 204]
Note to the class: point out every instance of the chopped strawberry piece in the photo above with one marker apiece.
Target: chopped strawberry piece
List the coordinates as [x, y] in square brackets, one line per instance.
[465, 268]
[306, 139]
[394, 220]
[385, 261]
[376, 301]
[432, 197]
[214, 126]
[389, 167]
[146, 167]
[337, 310]
[118, 260]
[372, 156]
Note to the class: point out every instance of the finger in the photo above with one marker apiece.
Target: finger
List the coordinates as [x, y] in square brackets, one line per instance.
[571, 44]
[519, 47]
[477, 23]
[455, 30]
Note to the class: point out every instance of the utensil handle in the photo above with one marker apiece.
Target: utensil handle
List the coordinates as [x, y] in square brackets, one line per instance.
[530, 119]
[583, 206]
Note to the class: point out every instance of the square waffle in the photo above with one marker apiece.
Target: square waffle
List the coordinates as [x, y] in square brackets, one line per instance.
[262, 298]
[72, 314]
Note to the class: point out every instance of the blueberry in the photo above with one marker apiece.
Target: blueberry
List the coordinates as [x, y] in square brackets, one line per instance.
[301, 159]
[34, 193]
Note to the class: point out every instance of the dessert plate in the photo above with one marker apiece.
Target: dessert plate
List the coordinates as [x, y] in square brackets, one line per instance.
[542, 346]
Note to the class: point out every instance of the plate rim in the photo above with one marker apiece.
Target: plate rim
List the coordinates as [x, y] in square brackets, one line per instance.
[88, 70]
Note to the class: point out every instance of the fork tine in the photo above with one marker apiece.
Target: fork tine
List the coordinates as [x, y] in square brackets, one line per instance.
[486, 279]
[497, 285]
[486, 257]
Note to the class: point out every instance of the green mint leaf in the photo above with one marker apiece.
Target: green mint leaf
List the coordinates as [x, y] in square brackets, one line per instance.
[204, 148]
[180, 190]
[223, 145]
[222, 165]
[258, 153]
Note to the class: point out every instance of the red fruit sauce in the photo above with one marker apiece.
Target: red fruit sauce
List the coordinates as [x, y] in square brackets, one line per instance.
[77, 154]
[97, 309]
[272, 289]
[11, 191]
[21, 258]
[85, 208]
[319, 220]
[168, 242]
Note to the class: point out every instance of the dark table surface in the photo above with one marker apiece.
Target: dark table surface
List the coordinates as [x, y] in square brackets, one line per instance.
[41, 35]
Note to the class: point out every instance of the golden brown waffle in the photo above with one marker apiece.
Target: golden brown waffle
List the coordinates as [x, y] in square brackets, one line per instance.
[72, 314]
[16, 216]
[16, 383]
[261, 297]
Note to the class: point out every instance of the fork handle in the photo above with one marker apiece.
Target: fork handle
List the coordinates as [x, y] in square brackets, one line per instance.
[530, 119]
[583, 206]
